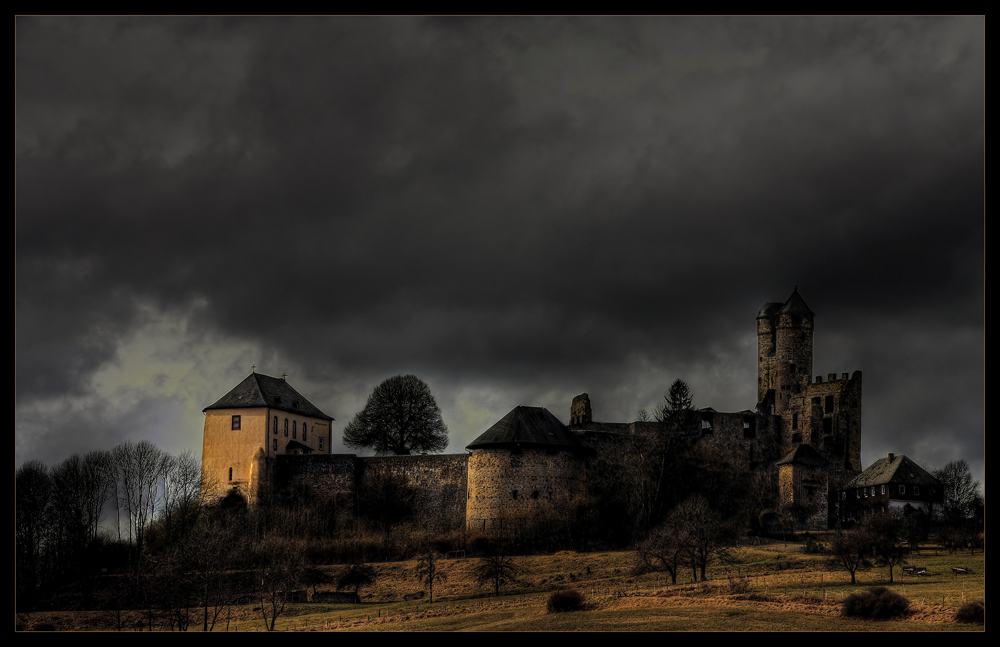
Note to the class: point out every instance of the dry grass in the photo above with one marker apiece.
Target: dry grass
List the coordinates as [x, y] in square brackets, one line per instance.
[778, 589]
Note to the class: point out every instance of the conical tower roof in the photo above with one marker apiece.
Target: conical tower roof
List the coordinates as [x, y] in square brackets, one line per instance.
[530, 427]
[796, 305]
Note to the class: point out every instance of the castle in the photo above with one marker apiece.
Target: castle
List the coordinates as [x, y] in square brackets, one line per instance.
[264, 436]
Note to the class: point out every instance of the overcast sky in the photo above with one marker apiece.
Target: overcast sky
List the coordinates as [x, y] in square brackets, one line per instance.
[516, 210]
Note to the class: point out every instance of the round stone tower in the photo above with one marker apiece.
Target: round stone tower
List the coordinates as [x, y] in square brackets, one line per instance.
[784, 348]
[525, 466]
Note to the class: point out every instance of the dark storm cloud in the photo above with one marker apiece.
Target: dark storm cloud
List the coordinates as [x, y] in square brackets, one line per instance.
[536, 206]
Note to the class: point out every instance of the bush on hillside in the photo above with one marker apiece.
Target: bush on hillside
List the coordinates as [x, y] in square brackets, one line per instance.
[971, 613]
[877, 603]
[567, 600]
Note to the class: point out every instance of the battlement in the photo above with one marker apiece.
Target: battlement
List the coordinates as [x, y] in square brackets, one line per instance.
[830, 378]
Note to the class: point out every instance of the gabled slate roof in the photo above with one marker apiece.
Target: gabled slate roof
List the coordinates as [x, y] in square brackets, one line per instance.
[259, 390]
[530, 428]
[804, 454]
[900, 470]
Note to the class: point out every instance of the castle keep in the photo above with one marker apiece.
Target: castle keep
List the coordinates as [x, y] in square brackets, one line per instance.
[263, 436]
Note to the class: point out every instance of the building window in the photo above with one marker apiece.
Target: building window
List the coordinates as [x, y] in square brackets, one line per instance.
[303, 432]
[286, 427]
[916, 489]
[274, 446]
[829, 404]
[902, 489]
[321, 442]
[795, 421]
[276, 425]
[827, 426]
[873, 490]
[883, 489]
[294, 425]
[230, 474]
[236, 423]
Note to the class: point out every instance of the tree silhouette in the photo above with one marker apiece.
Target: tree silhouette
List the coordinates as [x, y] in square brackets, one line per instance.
[497, 568]
[400, 417]
[429, 571]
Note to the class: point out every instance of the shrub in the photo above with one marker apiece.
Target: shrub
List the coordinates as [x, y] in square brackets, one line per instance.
[972, 613]
[567, 600]
[877, 603]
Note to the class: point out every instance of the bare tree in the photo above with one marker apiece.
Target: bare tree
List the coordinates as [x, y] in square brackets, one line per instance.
[664, 550]
[277, 566]
[32, 489]
[883, 530]
[400, 417]
[706, 536]
[138, 467]
[429, 570]
[180, 488]
[850, 549]
[355, 576]
[961, 492]
[496, 568]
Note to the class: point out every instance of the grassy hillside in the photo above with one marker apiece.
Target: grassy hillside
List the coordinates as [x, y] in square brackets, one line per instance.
[775, 587]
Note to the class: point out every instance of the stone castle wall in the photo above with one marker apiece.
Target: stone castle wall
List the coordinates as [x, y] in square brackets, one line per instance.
[439, 483]
[517, 485]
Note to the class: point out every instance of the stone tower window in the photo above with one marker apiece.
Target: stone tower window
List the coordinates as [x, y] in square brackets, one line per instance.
[514, 495]
[829, 404]
[236, 423]
[795, 421]
[230, 474]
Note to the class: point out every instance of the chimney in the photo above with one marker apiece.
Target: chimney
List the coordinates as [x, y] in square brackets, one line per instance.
[891, 456]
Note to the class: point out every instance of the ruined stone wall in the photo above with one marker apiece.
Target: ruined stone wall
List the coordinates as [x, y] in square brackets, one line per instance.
[745, 440]
[827, 415]
[579, 410]
[439, 482]
[507, 485]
